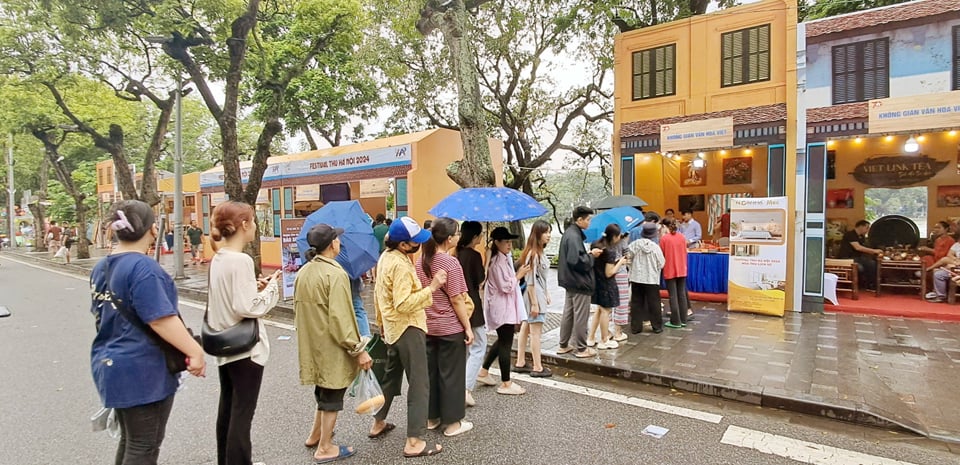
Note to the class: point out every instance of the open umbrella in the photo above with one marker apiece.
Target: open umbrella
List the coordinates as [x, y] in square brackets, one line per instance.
[359, 248]
[488, 204]
[626, 217]
[615, 201]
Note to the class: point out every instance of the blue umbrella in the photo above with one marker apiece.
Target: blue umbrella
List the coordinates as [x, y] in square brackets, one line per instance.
[488, 204]
[626, 217]
[359, 248]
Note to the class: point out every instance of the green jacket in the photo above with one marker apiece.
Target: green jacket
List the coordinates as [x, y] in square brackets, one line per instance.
[328, 337]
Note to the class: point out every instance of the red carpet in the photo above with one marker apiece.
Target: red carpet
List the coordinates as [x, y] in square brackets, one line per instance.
[898, 305]
[699, 296]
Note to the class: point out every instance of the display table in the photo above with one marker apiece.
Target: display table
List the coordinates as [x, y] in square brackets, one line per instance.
[901, 274]
[707, 272]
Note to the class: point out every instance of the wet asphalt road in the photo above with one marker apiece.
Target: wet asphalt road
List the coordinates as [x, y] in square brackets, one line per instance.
[47, 397]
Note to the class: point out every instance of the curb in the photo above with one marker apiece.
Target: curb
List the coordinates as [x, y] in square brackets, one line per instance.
[781, 399]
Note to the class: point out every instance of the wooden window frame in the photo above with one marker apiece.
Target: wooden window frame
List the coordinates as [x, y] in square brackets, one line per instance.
[857, 76]
[956, 58]
[648, 80]
[746, 56]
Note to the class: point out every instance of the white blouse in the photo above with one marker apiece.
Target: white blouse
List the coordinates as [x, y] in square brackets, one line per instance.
[233, 296]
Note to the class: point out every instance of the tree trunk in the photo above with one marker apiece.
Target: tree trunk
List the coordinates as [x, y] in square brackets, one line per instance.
[83, 247]
[148, 188]
[38, 210]
[475, 170]
[310, 140]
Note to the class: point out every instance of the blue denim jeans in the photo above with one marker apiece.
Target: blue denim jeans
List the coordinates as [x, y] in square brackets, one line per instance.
[475, 355]
[356, 285]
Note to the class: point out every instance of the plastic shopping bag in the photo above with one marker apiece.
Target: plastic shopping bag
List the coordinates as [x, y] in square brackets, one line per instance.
[106, 420]
[366, 389]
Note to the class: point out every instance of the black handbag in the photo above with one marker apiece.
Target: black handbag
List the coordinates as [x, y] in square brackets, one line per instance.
[234, 340]
[175, 360]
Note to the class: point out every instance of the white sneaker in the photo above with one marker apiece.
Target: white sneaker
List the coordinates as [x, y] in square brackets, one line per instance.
[469, 400]
[611, 344]
[931, 295]
[487, 380]
[513, 390]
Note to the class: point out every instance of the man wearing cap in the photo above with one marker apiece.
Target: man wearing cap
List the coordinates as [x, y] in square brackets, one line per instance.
[331, 349]
[575, 275]
[400, 303]
[646, 261]
[648, 217]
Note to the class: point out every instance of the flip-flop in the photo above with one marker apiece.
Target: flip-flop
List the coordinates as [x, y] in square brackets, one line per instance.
[426, 452]
[343, 453]
[386, 429]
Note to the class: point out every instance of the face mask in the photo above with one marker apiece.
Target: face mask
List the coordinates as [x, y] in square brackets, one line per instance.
[413, 249]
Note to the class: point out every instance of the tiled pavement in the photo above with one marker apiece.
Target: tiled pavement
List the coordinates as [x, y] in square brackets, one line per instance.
[872, 370]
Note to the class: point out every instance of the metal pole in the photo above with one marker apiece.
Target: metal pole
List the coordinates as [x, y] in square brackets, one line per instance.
[11, 221]
[178, 190]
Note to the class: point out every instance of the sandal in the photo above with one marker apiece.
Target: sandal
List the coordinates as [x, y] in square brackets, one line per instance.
[343, 453]
[386, 429]
[545, 373]
[464, 427]
[426, 452]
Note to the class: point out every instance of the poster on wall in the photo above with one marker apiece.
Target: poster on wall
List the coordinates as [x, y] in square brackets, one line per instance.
[290, 254]
[839, 198]
[691, 176]
[265, 222]
[948, 196]
[694, 202]
[738, 170]
[758, 255]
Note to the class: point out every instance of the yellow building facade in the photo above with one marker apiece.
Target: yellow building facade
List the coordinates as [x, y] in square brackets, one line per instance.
[705, 110]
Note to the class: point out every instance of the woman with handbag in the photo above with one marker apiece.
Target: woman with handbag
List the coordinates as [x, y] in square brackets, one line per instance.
[236, 297]
[535, 299]
[330, 346]
[474, 274]
[504, 309]
[135, 305]
[448, 330]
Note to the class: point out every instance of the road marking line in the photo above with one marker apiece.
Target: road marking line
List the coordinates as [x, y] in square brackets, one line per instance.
[802, 451]
[614, 397]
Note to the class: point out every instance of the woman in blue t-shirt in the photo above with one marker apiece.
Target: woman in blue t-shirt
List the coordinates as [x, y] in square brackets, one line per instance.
[129, 367]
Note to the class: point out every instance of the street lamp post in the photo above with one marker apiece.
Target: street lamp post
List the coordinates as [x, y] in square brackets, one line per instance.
[11, 221]
[177, 176]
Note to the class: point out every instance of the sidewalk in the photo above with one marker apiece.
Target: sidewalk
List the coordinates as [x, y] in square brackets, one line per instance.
[886, 372]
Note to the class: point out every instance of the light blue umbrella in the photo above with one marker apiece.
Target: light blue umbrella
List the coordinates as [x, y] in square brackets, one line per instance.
[359, 248]
[488, 204]
[626, 217]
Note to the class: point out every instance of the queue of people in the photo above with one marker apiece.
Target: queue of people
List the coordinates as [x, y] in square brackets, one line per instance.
[435, 299]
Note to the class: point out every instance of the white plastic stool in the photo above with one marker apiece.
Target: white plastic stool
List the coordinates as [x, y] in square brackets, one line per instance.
[830, 287]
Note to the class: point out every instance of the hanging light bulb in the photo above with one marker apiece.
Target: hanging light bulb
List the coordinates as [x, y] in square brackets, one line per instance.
[911, 146]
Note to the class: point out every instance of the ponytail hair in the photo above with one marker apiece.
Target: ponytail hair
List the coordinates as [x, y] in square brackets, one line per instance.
[228, 217]
[610, 234]
[442, 230]
[131, 219]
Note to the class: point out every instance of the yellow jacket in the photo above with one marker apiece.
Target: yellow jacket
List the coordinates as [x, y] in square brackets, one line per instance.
[400, 301]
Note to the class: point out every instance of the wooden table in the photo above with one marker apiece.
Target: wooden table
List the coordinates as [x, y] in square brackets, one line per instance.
[906, 267]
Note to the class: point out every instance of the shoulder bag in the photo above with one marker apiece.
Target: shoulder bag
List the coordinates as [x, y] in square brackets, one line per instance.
[234, 340]
[176, 360]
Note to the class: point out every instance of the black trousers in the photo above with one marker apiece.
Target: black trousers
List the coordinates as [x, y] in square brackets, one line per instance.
[408, 354]
[141, 431]
[239, 390]
[448, 373]
[645, 305]
[679, 300]
[867, 271]
[501, 350]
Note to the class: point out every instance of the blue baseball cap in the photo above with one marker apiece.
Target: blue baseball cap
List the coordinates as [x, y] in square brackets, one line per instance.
[406, 229]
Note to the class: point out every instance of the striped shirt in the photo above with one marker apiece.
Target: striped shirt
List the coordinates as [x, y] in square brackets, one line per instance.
[441, 318]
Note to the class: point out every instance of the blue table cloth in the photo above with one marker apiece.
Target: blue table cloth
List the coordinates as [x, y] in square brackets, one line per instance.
[707, 272]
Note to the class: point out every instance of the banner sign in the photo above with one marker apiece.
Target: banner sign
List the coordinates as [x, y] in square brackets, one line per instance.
[308, 192]
[290, 254]
[916, 112]
[374, 188]
[758, 255]
[900, 170]
[694, 135]
[400, 155]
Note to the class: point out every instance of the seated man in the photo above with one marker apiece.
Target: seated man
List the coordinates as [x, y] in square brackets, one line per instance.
[852, 246]
[942, 274]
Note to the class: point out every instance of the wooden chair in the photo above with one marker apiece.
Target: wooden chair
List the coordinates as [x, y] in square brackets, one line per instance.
[847, 274]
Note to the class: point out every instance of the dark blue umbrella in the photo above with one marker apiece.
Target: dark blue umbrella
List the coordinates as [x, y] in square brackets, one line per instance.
[626, 217]
[359, 248]
[488, 204]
